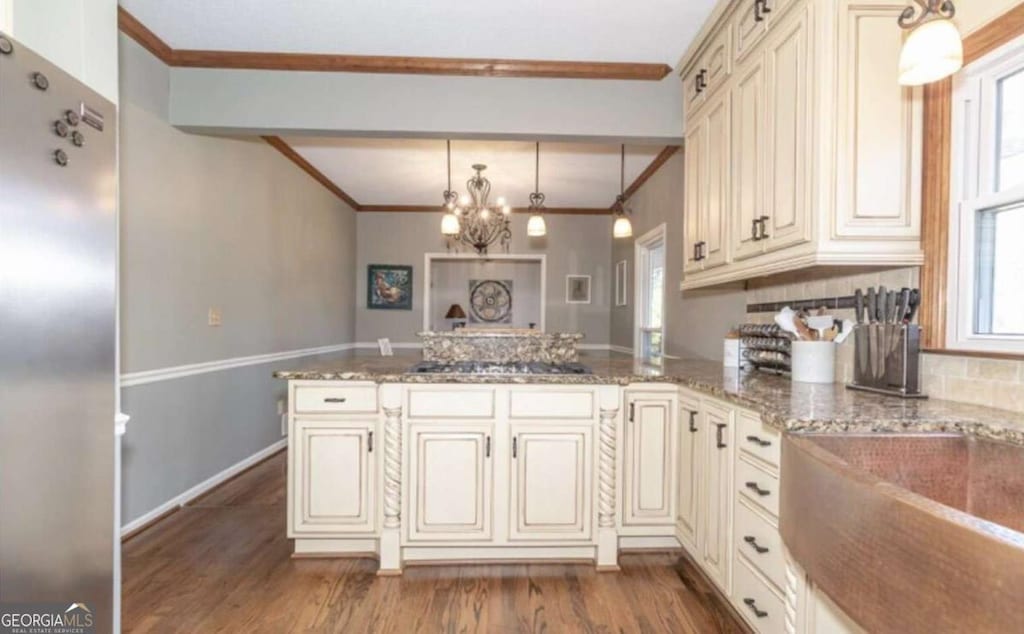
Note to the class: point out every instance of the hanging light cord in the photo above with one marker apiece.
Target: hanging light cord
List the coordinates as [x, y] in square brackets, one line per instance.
[536, 170]
[449, 142]
[622, 171]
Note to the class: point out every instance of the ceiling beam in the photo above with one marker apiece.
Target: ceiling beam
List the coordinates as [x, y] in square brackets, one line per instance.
[569, 211]
[475, 67]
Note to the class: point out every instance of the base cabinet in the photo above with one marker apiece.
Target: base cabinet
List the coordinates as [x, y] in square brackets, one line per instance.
[690, 463]
[714, 542]
[550, 490]
[650, 440]
[451, 472]
[332, 476]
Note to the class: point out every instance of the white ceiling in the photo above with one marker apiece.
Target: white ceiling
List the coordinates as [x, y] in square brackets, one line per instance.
[412, 172]
[656, 31]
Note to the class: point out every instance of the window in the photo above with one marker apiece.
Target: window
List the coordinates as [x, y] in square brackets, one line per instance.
[986, 308]
[650, 287]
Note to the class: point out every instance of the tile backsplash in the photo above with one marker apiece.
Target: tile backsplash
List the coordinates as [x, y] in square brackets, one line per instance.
[991, 382]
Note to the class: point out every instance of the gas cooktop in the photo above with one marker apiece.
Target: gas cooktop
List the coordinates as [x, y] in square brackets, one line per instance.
[486, 367]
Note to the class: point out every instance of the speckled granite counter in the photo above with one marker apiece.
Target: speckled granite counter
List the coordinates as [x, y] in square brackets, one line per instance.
[781, 403]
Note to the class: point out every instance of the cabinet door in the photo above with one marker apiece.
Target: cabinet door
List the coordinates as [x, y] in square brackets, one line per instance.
[716, 208]
[450, 482]
[751, 25]
[688, 467]
[788, 192]
[748, 160]
[695, 185]
[550, 492]
[716, 505]
[879, 133]
[649, 497]
[333, 477]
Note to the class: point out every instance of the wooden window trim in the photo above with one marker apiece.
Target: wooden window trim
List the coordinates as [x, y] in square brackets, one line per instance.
[938, 128]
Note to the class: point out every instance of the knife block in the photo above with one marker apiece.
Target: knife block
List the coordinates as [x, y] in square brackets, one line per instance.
[887, 358]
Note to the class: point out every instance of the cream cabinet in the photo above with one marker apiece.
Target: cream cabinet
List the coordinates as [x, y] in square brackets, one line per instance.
[823, 146]
[690, 462]
[649, 452]
[332, 477]
[451, 473]
[714, 543]
[550, 490]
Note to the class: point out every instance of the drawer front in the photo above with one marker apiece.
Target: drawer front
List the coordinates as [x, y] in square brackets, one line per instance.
[717, 62]
[757, 440]
[314, 399]
[760, 543]
[550, 404]
[694, 93]
[749, 29]
[758, 486]
[754, 599]
[448, 404]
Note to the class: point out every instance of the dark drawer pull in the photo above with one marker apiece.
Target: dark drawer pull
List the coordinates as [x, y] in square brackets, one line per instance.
[758, 490]
[334, 399]
[719, 442]
[693, 422]
[759, 441]
[753, 608]
[750, 539]
[369, 442]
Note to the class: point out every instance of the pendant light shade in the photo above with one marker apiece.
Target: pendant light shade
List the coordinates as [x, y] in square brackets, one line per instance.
[622, 228]
[450, 225]
[932, 51]
[536, 227]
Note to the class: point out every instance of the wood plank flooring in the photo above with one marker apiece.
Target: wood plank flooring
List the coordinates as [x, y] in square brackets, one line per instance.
[223, 564]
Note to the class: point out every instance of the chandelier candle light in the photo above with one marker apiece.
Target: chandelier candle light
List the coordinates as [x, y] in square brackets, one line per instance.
[470, 219]
[934, 49]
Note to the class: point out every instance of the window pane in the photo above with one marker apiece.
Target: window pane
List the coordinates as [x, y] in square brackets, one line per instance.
[1010, 148]
[999, 298]
[656, 288]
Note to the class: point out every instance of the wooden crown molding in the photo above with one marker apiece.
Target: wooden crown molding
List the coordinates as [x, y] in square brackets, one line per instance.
[282, 147]
[565, 211]
[254, 60]
[655, 165]
[935, 202]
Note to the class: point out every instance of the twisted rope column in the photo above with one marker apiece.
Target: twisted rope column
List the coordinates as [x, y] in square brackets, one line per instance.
[392, 467]
[606, 470]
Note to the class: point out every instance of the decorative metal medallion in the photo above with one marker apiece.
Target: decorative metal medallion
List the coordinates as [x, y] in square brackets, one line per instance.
[490, 301]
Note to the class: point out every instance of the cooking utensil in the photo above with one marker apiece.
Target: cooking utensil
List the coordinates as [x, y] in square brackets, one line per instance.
[858, 300]
[914, 303]
[872, 305]
[880, 304]
[846, 327]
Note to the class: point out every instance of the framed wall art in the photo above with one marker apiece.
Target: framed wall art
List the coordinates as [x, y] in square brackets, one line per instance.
[577, 289]
[621, 284]
[389, 287]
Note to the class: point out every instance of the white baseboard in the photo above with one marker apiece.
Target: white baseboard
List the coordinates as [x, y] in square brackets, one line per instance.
[622, 349]
[204, 486]
[650, 542]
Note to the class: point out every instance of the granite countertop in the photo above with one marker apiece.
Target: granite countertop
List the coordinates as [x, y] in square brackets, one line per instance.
[499, 333]
[784, 405]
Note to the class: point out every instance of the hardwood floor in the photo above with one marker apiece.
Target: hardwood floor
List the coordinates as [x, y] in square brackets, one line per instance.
[222, 564]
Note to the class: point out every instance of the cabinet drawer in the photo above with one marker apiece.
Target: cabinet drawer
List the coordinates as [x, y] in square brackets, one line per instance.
[760, 543]
[757, 440]
[755, 600]
[548, 404]
[460, 402]
[329, 399]
[758, 486]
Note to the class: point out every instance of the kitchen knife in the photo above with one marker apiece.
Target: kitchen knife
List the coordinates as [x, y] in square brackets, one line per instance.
[902, 306]
[872, 304]
[890, 307]
[880, 304]
[858, 305]
[915, 302]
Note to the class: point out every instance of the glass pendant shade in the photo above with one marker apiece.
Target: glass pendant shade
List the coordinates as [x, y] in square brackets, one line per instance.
[931, 52]
[450, 225]
[536, 227]
[622, 228]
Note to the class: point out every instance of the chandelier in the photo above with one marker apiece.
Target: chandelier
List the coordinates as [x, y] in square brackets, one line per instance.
[470, 219]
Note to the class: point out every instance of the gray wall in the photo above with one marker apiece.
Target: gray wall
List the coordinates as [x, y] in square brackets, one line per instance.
[695, 321]
[451, 281]
[214, 222]
[574, 245]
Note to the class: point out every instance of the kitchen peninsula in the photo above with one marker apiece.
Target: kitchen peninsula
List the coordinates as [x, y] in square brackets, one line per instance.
[499, 464]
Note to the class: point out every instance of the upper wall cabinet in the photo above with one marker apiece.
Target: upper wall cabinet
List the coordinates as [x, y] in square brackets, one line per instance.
[802, 149]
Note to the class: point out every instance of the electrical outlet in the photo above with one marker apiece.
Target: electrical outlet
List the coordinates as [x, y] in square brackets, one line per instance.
[213, 317]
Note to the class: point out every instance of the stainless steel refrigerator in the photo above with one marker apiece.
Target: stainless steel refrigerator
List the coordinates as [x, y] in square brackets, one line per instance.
[58, 193]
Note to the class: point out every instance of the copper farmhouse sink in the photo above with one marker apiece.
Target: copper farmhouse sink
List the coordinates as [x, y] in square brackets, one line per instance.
[909, 532]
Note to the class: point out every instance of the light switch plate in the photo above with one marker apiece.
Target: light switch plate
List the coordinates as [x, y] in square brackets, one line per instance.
[213, 317]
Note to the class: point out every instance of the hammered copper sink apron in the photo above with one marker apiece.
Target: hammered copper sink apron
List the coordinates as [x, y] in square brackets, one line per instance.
[909, 532]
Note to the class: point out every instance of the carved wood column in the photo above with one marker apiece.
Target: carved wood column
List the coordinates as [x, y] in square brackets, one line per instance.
[607, 482]
[390, 536]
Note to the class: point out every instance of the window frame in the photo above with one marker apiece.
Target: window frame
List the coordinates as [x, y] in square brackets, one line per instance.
[973, 175]
[642, 248]
[935, 182]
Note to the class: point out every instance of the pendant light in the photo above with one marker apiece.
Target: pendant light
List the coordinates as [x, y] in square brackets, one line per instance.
[622, 228]
[450, 221]
[536, 227]
[934, 49]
